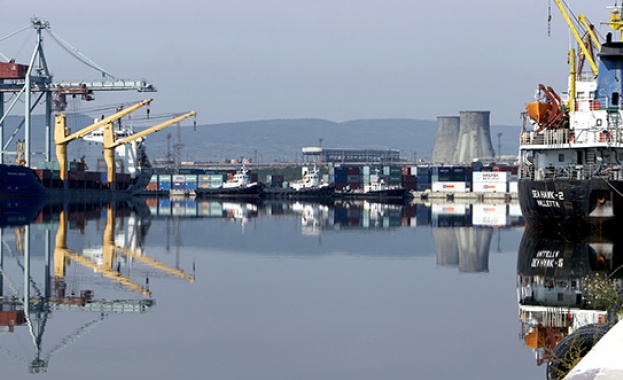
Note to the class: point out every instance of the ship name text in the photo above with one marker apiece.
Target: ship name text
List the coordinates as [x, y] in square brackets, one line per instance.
[548, 198]
[547, 259]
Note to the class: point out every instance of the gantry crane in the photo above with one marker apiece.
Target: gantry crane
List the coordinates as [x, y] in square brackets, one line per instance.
[110, 141]
[63, 136]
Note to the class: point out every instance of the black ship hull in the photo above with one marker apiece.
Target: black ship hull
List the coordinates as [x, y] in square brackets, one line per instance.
[240, 192]
[568, 201]
[312, 193]
[377, 195]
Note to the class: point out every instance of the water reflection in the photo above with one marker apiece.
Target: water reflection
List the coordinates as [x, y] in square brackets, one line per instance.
[553, 272]
[87, 263]
[61, 236]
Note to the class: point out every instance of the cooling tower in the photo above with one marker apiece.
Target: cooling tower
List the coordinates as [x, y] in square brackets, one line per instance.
[474, 137]
[447, 138]
[447, 248]
[474, 245]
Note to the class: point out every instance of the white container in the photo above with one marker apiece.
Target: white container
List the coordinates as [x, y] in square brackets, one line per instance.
[449, 187]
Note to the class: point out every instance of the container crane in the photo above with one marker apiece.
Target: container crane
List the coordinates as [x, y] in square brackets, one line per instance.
[63, 136]
[110, 141]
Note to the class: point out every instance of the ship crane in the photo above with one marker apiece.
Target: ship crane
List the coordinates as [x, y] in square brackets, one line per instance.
[62, 135]
[110, 141]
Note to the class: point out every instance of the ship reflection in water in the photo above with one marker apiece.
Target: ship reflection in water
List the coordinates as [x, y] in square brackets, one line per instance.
[102, 279]
[553, 274]
[463, 232]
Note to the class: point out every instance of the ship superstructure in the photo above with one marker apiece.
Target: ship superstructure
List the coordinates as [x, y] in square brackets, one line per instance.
[571, 149]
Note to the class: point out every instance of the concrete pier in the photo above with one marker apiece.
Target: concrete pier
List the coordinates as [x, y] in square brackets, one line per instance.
[603, 361]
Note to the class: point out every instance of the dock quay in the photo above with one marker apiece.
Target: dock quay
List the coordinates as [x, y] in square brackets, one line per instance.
[603, 361]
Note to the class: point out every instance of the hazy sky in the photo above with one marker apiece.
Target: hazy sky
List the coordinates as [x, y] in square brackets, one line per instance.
[238, 60]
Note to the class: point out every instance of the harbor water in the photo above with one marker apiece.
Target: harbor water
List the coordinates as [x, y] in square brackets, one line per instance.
[161, 288]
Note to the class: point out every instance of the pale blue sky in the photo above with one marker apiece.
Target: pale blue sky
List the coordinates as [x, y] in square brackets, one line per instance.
[240, 60]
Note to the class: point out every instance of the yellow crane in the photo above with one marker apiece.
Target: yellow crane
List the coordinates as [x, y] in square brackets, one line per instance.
[111, 142]
[63, 135]
[577, 36]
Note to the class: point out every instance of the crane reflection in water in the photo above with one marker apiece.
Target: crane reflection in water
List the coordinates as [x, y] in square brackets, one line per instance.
[26, 306]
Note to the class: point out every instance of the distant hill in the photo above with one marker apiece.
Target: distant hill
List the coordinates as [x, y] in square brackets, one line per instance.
[282, 139]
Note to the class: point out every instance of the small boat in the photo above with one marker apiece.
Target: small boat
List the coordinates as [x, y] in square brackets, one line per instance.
[571, 149]
[377, 189]
[239, 186]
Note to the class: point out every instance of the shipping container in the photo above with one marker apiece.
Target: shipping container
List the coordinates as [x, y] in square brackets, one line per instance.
[449, 187]
[74, 165]
[423, 171]
[12, 70]
[512, 187]
[164, 178]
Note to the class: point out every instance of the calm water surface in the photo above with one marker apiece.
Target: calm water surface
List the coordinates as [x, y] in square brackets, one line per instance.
[196, 290]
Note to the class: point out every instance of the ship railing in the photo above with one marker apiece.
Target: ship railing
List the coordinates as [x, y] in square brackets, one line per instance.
[578, 172]
[548, 137]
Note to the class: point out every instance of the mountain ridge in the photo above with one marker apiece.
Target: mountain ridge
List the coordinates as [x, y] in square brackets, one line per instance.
[272, 140]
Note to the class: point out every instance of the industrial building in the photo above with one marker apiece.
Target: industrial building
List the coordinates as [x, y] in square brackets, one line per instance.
[341, 155]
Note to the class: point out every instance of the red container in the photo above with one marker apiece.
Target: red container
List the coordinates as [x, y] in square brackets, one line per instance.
[12, 70]
[353, 170]
[12, 318]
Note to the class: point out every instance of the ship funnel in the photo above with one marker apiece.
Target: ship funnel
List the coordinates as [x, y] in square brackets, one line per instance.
[474, 140]
[447, 139]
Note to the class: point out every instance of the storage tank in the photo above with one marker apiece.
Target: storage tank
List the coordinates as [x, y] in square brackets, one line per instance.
[447, 139]
[474, 137]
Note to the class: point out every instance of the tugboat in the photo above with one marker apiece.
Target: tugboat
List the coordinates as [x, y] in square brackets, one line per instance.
[571, 151]
[239, 186]
[377, 189]
[309, 187]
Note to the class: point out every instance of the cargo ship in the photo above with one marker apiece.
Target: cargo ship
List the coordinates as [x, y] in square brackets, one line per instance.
[107, 158]
[376, 189]
[571, 150]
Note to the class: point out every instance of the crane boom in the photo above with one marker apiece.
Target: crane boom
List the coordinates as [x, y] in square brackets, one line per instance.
[61, 134]
[110, 144]
[590, 30]
[577, 36]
